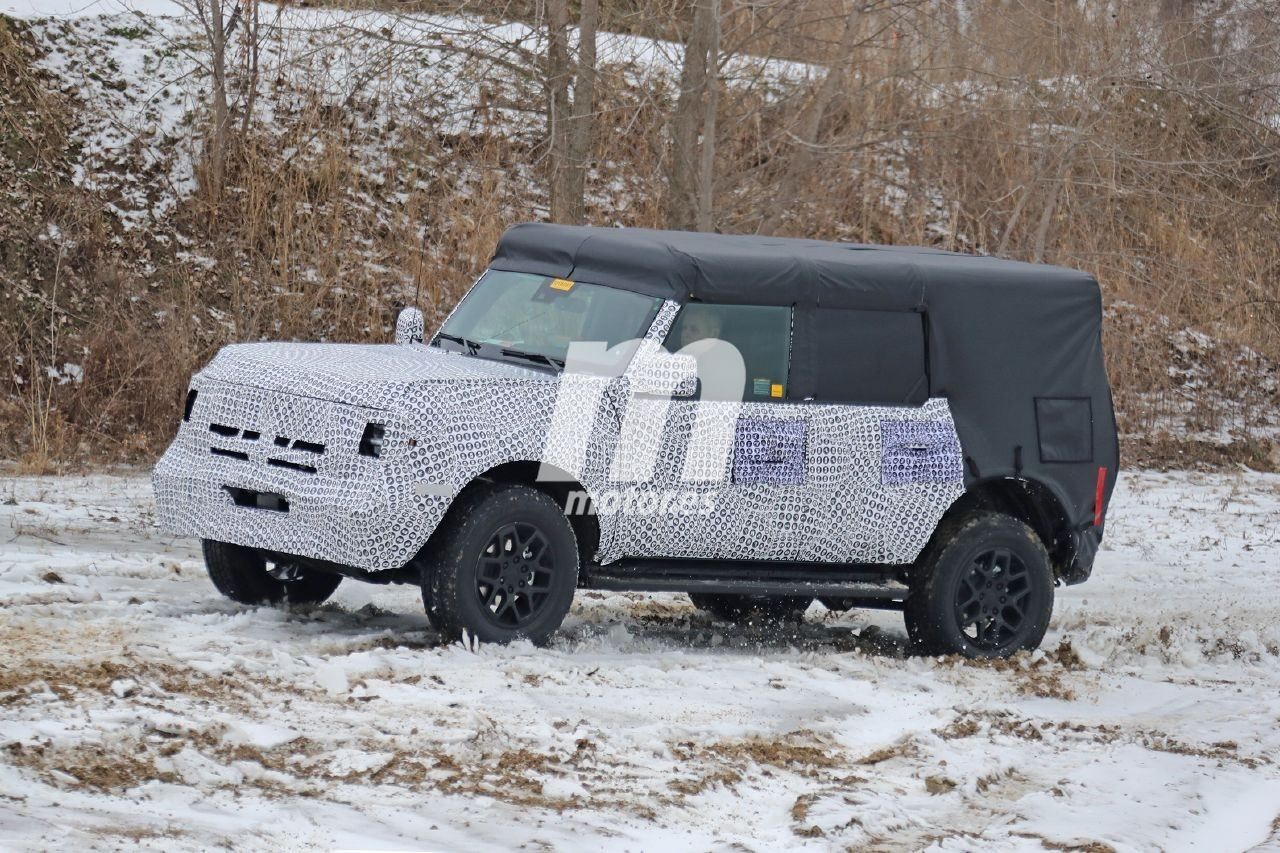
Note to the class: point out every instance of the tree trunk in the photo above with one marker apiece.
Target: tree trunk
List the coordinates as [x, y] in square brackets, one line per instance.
[582, 119]
[689, 201]
[252, 29]
[1051, 207]
[1189, 49]
[558, 120]
[802, 160]
[218, 26]
[704, 215]
[217, 142]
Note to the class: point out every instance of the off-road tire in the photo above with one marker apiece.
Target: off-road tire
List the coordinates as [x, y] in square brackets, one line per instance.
[455, 590]
[982, 589]
[749, 608]
[240, 574]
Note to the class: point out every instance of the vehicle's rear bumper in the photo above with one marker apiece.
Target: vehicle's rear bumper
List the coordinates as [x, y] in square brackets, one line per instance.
[1085, 544]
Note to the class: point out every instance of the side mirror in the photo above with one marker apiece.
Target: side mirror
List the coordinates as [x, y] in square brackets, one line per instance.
[410, 326]
[664, 374]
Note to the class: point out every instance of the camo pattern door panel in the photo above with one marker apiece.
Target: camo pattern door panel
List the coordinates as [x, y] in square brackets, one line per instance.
[881, 478]
[746, 496]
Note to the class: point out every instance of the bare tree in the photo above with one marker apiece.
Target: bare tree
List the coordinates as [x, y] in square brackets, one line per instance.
[704, 219]
[806, 135]
[218, 18]
[252, 51]
[690, 203]
[570, 120]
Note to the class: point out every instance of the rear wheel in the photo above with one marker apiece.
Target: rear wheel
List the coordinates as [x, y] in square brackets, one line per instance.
[747, 608]
[505, 566]
[244, 575]
[983, 590]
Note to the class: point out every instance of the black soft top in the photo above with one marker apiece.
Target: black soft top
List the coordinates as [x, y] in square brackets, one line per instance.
[1003, 336]
[750, 269]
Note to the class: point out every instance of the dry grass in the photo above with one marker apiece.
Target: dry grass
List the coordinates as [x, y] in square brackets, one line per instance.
[1081, 847]
[1063, 139]
[904, 748]
[95, 767]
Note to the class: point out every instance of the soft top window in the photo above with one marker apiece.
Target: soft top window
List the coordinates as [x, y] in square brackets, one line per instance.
[851, 356]
[762, 334]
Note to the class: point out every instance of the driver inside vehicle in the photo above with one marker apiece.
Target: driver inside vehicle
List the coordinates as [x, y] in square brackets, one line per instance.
[695, 324]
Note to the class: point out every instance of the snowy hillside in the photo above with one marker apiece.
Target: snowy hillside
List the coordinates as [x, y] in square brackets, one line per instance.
[377, 157]
[139, 70]
[139, 708]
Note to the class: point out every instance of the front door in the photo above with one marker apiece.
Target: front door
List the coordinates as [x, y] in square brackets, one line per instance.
[730, 478]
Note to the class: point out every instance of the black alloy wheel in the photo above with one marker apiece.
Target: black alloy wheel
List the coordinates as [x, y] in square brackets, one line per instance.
[503, 565]
[983, 588]
[992, 599]
[513, 574]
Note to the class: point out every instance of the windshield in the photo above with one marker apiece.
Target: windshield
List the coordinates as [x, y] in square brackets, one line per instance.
[535, 317]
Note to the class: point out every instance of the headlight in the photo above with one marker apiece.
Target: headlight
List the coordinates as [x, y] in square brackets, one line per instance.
[373, 439]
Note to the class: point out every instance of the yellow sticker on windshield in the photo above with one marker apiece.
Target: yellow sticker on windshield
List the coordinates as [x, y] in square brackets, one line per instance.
[561, 284]
[775, 390]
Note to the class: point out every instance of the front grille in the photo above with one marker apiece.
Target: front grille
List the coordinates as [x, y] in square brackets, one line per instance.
[294, 466]
[250, 436]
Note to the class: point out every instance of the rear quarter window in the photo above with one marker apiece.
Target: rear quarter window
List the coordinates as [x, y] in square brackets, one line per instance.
[853, 356]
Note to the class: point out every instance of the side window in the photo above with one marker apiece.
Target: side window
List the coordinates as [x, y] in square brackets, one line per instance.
[870, 357]
[762, 333]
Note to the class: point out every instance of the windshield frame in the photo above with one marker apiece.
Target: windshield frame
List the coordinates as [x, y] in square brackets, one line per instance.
[533, 360]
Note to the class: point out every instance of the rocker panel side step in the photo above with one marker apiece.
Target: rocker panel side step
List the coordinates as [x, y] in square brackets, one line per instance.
[749, 577]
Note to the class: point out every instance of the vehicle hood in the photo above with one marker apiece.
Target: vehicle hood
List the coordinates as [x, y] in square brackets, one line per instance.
[374, 375]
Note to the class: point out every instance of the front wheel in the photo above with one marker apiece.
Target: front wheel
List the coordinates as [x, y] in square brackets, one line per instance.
[243, 574]
[984, 589]
[505, 566]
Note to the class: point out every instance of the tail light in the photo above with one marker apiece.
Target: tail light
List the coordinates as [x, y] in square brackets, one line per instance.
[1099, 495]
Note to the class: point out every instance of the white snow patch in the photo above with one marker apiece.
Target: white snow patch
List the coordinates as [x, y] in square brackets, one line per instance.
[135, 703]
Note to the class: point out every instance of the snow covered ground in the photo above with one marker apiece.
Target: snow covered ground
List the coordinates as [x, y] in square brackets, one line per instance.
[137, 708]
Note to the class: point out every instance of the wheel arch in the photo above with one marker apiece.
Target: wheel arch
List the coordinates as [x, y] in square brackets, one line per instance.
[560, 486]
[1031, 501]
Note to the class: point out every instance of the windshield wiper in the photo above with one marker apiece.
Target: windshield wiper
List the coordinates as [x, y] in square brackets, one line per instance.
[472, 346]
[554, 363]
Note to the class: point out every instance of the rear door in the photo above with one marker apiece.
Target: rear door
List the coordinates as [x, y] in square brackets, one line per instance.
[884, 461]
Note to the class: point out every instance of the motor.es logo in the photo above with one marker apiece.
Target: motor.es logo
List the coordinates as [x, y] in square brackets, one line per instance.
[701, 384]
